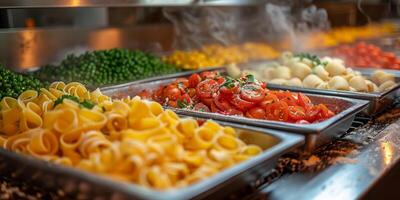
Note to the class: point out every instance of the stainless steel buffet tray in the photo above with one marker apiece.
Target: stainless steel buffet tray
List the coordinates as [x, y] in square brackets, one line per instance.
[91, 186]
[316, 133]
[378, 102]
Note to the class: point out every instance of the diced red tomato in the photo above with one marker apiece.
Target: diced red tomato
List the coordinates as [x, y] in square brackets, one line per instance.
[230, 90]
[296, 113]
[144, 94]
[182, 83]
[209, 74]
[241, 104]
[252, 92]
[185, 99]
[201, 107]
[173, 104]
[256, 112]
[172, 92]
[207, 88]
[194, 79]
[232, 111]
[221, 102]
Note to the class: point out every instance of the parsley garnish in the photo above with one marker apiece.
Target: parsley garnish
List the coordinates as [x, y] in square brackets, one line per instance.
[314, 59]
[86, 104]
[250, 78]
[182, 104]
[229, 83]
[61, 99]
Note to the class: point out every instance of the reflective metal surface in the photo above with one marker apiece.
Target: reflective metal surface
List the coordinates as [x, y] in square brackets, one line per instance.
[27, 49]
[349, 180]
[72, 181]
[120, 3]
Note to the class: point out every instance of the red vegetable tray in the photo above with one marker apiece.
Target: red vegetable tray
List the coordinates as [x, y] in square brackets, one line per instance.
[316, 133]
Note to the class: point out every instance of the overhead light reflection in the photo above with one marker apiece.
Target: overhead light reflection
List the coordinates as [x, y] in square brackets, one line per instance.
[29, 55]
[76, 2]
[387, 151]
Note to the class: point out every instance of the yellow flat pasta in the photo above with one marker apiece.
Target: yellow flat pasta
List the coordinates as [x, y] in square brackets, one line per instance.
[129, 139]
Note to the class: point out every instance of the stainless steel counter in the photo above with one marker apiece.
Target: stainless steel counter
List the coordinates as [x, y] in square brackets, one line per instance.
[377, 150]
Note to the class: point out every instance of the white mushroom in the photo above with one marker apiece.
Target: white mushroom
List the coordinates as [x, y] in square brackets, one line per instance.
[321, 72]
[323, 86]
[386, 85]
[295, 82]
[335, 68]
[380, 76]
[268, 73]
[300, 70]
[285, 58]
[307, 61]
[282, 72]
[372, 87]
[312, 81]
[338, 83]
[358, 83]
[278, 81]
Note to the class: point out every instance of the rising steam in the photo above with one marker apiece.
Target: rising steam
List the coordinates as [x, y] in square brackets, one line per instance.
[276, 20]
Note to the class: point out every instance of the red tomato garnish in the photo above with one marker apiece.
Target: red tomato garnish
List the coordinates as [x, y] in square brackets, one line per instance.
[194, 79]
[172, 92]
[230, 90]
[303, 100]
[207, 101]
[185, 99]
[268, 99]
[209, 74]
[182, 83]
[158, 95]
[241, 104]
[220, 80]
[256, 112]
[214, 108]
[221, 102]
[252, 92]
[191, 92]
[201, 107]
[207, 88]
[296, 113]
[233, 111]
[263, 84]
[173, 104]
[144, 94]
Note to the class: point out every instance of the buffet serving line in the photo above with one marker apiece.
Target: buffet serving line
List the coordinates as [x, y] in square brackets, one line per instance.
[241, 121]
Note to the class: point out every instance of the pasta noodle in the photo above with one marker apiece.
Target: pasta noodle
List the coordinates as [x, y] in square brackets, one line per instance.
[129, 139]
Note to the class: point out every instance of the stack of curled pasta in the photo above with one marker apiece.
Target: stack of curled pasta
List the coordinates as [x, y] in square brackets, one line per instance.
[311, 72]
[129, 139]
